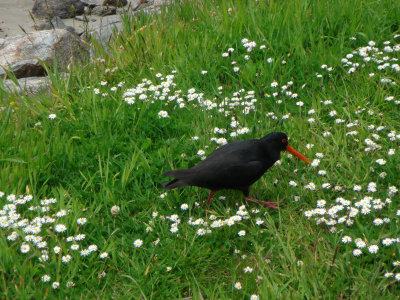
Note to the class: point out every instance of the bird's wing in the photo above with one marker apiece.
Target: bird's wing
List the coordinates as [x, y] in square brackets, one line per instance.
[235, 148]
[244, 173]
[234, 175]
[237, 152]
[236, 165]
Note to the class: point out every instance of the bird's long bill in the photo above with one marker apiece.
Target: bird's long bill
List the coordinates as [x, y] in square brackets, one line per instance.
[295, 153]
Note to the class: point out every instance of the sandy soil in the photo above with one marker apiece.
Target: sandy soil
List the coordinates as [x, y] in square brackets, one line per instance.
[15, 19]
[14, 15]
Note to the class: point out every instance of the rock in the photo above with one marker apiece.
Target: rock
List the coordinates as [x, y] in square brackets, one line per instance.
[92, 3]
[134, 7]
[116, 3]
[134, 4]
[104, 10]
[55, 23]
[146, 3]
[106, 28]
[23, 53]
[162, 2]
[85, 19]
[3, 43]
[47, 9]
[89, 26]
[30, 85]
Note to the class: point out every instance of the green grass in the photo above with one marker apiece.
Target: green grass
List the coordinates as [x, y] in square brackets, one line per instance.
[100, 151]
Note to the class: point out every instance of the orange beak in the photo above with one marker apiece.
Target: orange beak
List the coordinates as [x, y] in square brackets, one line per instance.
[295, 153]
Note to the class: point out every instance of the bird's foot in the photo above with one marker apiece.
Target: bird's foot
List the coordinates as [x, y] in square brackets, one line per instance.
[209, 198]
[269, 204]
[264, 203]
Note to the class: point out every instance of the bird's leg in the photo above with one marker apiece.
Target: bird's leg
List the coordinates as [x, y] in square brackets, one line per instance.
[264, 203]
[209, 197]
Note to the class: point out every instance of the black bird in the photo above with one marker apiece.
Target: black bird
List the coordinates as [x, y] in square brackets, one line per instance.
[236, 165]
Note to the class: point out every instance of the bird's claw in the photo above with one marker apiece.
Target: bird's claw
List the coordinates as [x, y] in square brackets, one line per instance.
[264, 203]
[269, 204]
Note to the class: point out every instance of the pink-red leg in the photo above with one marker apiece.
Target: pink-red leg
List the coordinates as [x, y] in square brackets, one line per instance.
[264, 203]
[210, 197]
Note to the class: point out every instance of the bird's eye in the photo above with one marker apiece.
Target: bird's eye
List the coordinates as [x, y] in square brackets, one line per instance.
[284, 141]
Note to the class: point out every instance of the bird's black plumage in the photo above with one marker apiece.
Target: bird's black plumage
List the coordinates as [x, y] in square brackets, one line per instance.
[236, 165]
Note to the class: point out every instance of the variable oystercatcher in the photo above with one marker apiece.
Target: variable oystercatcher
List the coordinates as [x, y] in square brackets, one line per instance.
[236, 165]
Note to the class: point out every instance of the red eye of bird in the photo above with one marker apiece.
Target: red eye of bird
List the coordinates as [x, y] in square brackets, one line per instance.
[284, 141]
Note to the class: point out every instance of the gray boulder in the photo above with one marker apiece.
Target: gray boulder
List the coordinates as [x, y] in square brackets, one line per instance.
[23, 54]
[116, 3]
[134, 4]
[29, 85]
[103, 10]
[55, 23]
[162, 2]
[92, 3]
[48, 9]
[105, 30]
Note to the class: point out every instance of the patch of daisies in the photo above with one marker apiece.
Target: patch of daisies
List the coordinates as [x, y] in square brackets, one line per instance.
[43, 234]
[368, 205]
[235, 223]
[230, 110]
[104, 89]
[206, 226]
[340, 215]
[381, 62]
[356, 204]
[164, 90]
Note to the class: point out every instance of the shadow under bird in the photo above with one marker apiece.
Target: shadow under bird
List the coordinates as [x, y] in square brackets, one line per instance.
[236, 165]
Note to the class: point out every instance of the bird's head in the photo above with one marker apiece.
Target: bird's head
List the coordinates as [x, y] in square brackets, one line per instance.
[279, 140]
